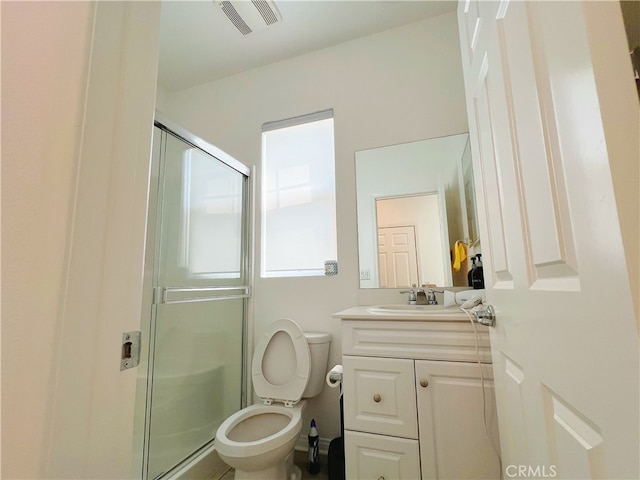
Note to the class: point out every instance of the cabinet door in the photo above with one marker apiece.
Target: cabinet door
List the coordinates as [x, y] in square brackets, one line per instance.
[453, 442]
[379, 396]
[377, 457]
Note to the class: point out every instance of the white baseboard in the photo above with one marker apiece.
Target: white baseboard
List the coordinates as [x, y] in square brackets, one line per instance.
[302, 445]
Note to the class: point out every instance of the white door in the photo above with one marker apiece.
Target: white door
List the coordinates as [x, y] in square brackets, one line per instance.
[565, 346]
[397, 257]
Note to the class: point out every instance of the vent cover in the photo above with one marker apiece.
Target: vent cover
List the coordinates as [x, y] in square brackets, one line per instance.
[250, 16]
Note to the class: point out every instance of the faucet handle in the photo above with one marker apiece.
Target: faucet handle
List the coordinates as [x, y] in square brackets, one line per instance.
[412, 295]
[411, 290]
[431, 296]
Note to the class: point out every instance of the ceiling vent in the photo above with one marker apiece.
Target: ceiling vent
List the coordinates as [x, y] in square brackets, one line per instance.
[250, 16]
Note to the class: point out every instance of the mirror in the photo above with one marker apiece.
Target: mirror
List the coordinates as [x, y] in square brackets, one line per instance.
[415, 201]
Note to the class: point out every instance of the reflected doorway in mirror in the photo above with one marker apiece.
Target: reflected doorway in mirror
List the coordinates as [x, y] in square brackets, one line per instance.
[439, 165]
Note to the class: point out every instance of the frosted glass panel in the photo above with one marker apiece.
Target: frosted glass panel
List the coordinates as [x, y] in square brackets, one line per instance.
[198, 230]
[196, 377]
[202, 218]
[298, 203]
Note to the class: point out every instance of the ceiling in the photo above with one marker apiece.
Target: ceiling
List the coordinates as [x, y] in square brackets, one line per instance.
[199, 44]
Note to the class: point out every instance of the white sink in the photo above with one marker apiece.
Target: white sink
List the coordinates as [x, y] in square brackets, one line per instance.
[415, 309]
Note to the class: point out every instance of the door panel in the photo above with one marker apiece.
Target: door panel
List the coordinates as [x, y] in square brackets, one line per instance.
[500, 274]
[540, 162]
[512, 407]
[578, 442]
[397, 257]
[565, 346]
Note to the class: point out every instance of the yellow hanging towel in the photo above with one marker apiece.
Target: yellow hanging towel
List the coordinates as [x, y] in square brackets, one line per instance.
[459, 255]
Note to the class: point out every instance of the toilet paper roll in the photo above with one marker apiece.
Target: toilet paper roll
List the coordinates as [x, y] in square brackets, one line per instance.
[334, 376]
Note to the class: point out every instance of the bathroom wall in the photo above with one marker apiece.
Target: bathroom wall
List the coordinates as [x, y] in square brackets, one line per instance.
[36, 205]
[397, 86]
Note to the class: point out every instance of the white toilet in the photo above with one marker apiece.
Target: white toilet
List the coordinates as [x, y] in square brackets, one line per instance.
[288, 365]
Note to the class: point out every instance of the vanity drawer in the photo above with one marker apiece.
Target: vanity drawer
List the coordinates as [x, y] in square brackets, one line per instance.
[453, 341]
[377, 456]
[379, 396]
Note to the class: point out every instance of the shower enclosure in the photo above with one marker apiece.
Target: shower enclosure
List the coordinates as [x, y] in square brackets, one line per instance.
[198, 239]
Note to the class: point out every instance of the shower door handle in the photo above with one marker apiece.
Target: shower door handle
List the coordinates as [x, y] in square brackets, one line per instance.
[198, 294]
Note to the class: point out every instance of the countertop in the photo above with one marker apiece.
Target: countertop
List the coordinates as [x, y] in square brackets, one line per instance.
[363, 312]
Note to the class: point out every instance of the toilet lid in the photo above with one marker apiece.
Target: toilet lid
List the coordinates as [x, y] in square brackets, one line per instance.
[281, 363]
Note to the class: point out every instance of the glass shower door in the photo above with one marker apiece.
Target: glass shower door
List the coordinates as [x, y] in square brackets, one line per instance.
[198, 312]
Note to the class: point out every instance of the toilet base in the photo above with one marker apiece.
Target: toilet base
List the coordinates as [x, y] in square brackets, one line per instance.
[296, 473]
[285, 470]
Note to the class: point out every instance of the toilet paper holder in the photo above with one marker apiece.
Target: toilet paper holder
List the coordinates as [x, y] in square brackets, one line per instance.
[334, 376]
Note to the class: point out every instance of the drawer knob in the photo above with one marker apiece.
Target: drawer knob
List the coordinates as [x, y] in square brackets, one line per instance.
[424, 383]
[380, 477]
[377, 398]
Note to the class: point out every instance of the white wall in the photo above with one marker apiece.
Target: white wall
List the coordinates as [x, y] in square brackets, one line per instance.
[78, 95]
[393, 87]
[38, 171]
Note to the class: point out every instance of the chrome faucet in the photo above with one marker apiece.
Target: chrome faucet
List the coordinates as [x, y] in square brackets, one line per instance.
[421, 297]
[411, 300]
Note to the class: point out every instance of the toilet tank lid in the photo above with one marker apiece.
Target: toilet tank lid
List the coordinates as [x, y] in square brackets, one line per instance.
[317, 337]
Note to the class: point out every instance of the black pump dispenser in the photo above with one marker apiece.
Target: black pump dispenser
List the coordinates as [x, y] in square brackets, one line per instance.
[470, 273]
[477, 275]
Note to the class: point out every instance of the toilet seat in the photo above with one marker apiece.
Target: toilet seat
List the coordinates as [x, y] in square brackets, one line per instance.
[265, 445]
[289, 392]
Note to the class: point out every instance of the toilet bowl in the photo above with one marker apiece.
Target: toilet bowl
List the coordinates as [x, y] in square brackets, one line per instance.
[288, 365]
[258, 439]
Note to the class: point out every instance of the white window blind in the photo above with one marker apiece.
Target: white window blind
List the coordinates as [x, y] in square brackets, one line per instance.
[298, 196]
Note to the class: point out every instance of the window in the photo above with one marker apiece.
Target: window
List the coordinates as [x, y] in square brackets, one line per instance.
[298, 196]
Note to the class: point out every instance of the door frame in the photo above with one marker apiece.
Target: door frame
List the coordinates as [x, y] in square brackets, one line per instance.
[102, 296]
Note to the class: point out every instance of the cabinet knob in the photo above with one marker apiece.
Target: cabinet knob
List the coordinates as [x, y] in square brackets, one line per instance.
[424, 383]
[377, 398]
[380, 477]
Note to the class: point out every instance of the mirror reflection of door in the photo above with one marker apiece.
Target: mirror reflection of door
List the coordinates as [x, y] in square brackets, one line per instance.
[397, 257]
[437, 166]
[423, 214]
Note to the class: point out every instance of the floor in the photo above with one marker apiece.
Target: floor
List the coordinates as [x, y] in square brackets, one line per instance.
[300, 459]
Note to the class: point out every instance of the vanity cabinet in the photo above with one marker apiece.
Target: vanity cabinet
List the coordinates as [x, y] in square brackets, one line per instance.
[413, 400]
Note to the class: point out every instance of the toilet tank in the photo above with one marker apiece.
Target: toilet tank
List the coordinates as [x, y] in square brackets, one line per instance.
[319, 348]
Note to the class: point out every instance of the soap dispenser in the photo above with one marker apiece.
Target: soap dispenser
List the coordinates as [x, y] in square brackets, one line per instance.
[478, 273]
[470, 274]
